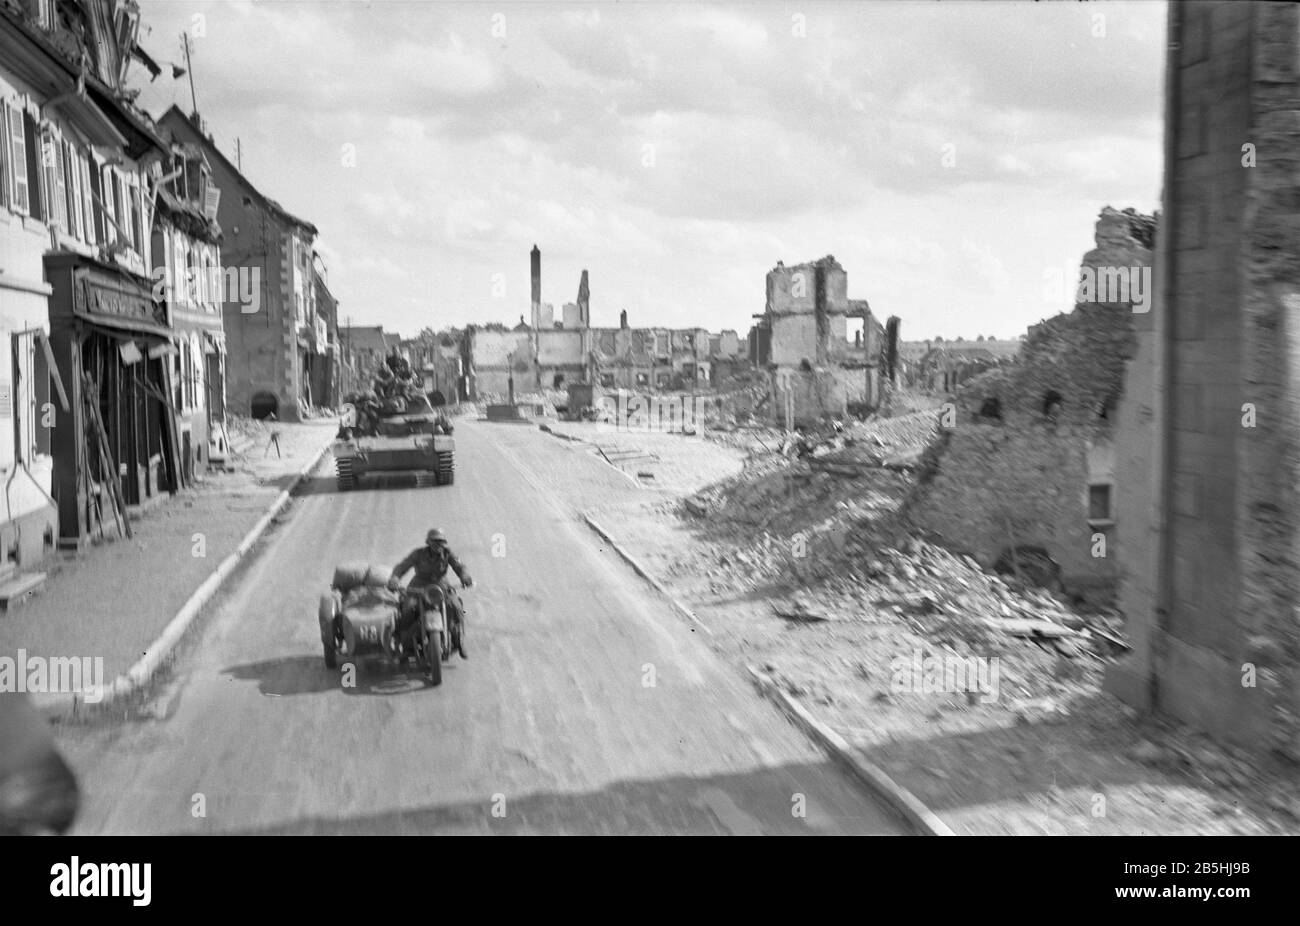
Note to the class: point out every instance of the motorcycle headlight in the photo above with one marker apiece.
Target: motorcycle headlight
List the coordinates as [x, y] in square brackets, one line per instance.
[433, 619]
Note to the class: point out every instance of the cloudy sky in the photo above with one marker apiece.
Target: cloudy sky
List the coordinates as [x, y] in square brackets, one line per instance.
[950, 155]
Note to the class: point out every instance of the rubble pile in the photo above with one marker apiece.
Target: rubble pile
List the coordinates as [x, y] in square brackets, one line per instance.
[828, 535]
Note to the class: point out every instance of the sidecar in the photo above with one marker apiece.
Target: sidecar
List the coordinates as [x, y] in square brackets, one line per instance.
[358, 618]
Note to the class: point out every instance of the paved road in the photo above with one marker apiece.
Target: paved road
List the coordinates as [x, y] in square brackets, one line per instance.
[551, 727]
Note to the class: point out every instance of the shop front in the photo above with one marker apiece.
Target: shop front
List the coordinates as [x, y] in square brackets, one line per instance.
[117, 448]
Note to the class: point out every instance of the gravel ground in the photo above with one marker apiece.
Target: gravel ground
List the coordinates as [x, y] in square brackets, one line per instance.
[115, 598]
[676, 463]
[1052, 754]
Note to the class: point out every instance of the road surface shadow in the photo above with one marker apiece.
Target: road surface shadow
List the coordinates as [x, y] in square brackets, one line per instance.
[301, 675]
[793, 799]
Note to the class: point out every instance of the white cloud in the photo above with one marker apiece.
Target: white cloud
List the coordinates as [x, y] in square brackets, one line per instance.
[767, 147]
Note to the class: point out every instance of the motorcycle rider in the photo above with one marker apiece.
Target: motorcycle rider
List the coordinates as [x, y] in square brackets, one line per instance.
[430, 563]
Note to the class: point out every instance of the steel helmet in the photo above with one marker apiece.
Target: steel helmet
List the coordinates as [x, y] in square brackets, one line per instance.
[435, 536]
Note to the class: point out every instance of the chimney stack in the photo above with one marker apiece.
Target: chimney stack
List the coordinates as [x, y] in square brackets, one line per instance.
[622, 319]
[584, 303]
[536, 267]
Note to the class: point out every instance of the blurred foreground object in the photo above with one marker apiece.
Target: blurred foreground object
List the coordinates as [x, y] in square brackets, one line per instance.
[38, 791]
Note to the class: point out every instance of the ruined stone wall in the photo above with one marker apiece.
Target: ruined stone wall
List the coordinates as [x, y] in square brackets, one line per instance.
[998, 487]
[1023, 478]
[809, 396]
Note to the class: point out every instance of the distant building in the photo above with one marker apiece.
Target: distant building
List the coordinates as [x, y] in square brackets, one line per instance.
[822, 349]
[547, 355]
[366, 347]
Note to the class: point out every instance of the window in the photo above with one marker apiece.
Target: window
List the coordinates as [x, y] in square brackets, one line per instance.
[191, 276]
[178, 284]
[121, 229]
[137, 218]
[112, 199]
[96, 186]
[56, 188]
[72, 181]
[1052, 402]
[38, 208]
[17, 160]
[1099, 503]
[991, 408]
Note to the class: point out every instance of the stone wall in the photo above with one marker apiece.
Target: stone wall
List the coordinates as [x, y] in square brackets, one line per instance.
[1028, 441]
[1215, 625]
[999, 487]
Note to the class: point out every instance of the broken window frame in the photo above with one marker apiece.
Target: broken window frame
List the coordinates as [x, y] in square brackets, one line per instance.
[1109, 519]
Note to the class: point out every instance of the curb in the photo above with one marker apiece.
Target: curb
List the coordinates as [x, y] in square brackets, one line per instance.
[645, 574]
[903, 801]
[66, 705]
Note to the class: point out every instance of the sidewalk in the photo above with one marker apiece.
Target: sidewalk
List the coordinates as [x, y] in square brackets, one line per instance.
[114, 599]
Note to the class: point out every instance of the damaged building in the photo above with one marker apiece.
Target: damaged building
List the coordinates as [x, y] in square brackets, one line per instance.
[555, 354]
[824, 351]
[1027, 463]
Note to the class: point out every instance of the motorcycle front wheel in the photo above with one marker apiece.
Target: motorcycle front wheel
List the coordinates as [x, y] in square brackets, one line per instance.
[433, 656]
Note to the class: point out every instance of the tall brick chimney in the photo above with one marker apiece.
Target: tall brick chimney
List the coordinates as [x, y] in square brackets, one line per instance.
[536, 268]
[584, 302]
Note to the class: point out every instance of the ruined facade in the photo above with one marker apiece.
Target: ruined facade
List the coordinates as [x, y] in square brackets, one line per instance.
[818, 369]
[1030, 459]
[1211, 603]
[554, 354]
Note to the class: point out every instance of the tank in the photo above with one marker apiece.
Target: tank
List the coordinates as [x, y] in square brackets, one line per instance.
[403, 434]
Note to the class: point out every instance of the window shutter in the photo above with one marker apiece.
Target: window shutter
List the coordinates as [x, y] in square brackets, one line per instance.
[41, 398]
[19, 162]
[59, 186]
[72, 175]
[5, 179]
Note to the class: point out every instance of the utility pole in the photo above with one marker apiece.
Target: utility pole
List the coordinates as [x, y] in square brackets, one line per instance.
[189, 69]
